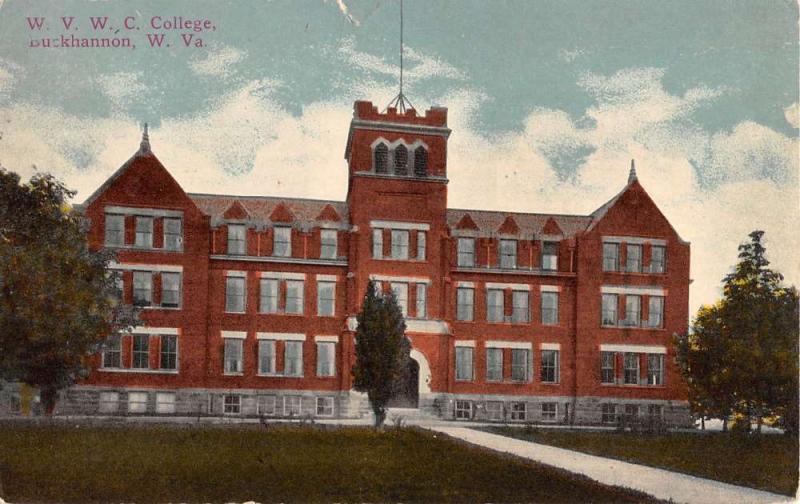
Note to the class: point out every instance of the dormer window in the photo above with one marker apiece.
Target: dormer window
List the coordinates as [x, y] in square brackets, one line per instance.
[401, 160]
[381, 158]
[236, 239]
[282, 246]
[420, 162]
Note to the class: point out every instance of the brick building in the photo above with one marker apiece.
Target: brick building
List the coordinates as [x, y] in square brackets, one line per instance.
[249, 303]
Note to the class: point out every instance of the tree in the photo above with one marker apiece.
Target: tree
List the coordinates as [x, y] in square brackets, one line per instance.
[381, 349]
[741, 354]
[58, 303]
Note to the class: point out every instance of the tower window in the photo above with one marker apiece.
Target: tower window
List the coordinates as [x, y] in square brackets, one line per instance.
[421, 162]
[401, 160]
[381, 158]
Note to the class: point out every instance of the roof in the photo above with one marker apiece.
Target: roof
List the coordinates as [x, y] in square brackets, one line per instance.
[530, 224]
[260, 208]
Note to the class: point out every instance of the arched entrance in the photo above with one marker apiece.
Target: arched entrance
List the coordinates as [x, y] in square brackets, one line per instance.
[414, 381]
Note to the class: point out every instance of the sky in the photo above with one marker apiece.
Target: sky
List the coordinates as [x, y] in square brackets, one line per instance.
[548, 102]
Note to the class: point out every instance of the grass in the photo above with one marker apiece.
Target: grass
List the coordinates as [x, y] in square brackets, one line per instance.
[766, 462]
[69, 463]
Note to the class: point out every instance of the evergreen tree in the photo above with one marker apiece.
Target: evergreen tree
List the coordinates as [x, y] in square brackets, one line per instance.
[742, 354]
[381, 349]
[58, 304]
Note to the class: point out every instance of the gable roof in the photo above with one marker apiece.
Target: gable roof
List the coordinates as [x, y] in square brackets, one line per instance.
[530, 224]
[260, 208]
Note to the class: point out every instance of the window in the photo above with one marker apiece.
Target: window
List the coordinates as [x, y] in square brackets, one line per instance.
[115, 230]
[326, 298]
[328, 246]
[633, 261]
[518, 410]
[112, 355]
[610, 256]
[234, 294]
[420, 162]
[265, 405]
[465, 303]
[609, 310]
[422, 301]
[165, 403]
[609, 412]
[464, 363]
[550, 308]
[508, 254]
[655, 313]
[292, 405]
[137, 402]
[401, 293]
[633, 310]
[631, 412]
[144, 232]
[494, 305]
[282, 246]
[169, 351]
[463, 410]
[109, 402]
[494, 364]
[549, 366]
[520, 307]
[173, 234]
[234, 356]
[550, 256]
[658, 259]
[232, 404]
[631, 368]
[466, 252]
[549, 411]
[655, 369]
[266, 357]
[141, 351]
[655, 411]
[377, 243]
[171, 290]
[401, 160]
[237, 239]
[294, 296]
[421, 239]
[381, 159]
[269, 296]
[520, 364]
[608, 367]
[293, 358]
[324, 406]
[326, 358]
[399, 244]
[494, 410]
[142, 288]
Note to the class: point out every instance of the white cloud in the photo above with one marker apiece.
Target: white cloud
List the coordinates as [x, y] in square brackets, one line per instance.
[247, 143]
[218, 61]
[122, 88]
[792, 114]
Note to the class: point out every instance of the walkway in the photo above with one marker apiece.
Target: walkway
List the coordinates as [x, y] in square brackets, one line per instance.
[659, 483]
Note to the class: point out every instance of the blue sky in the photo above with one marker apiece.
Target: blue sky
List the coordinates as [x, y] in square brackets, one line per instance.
[548, 102]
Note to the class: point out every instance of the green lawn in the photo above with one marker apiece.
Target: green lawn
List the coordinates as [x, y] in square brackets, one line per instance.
[67, 463]
[768, 462]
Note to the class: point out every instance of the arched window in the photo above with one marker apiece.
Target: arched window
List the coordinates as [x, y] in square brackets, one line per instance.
[381, 160]
[401, 160]
[421, 162]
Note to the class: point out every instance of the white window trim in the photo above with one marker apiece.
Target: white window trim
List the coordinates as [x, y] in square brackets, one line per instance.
[382, 224]
[400, 279]
[465, 343]
[504, 286]
[326, 339]
[144, 212]
[282, 275]
[154, 330]
[549, 288]
[509, 344]
[551, 346]
[171, 268]
[634, 349]
[465, 285]
[234, 334]
[327, 278]
[234, 273]
[628, 289]
[281, 336]
[634, 240]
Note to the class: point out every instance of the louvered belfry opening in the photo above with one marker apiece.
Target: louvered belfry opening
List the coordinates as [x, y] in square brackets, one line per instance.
[381, 159]
[421, 162]
[401, 160]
